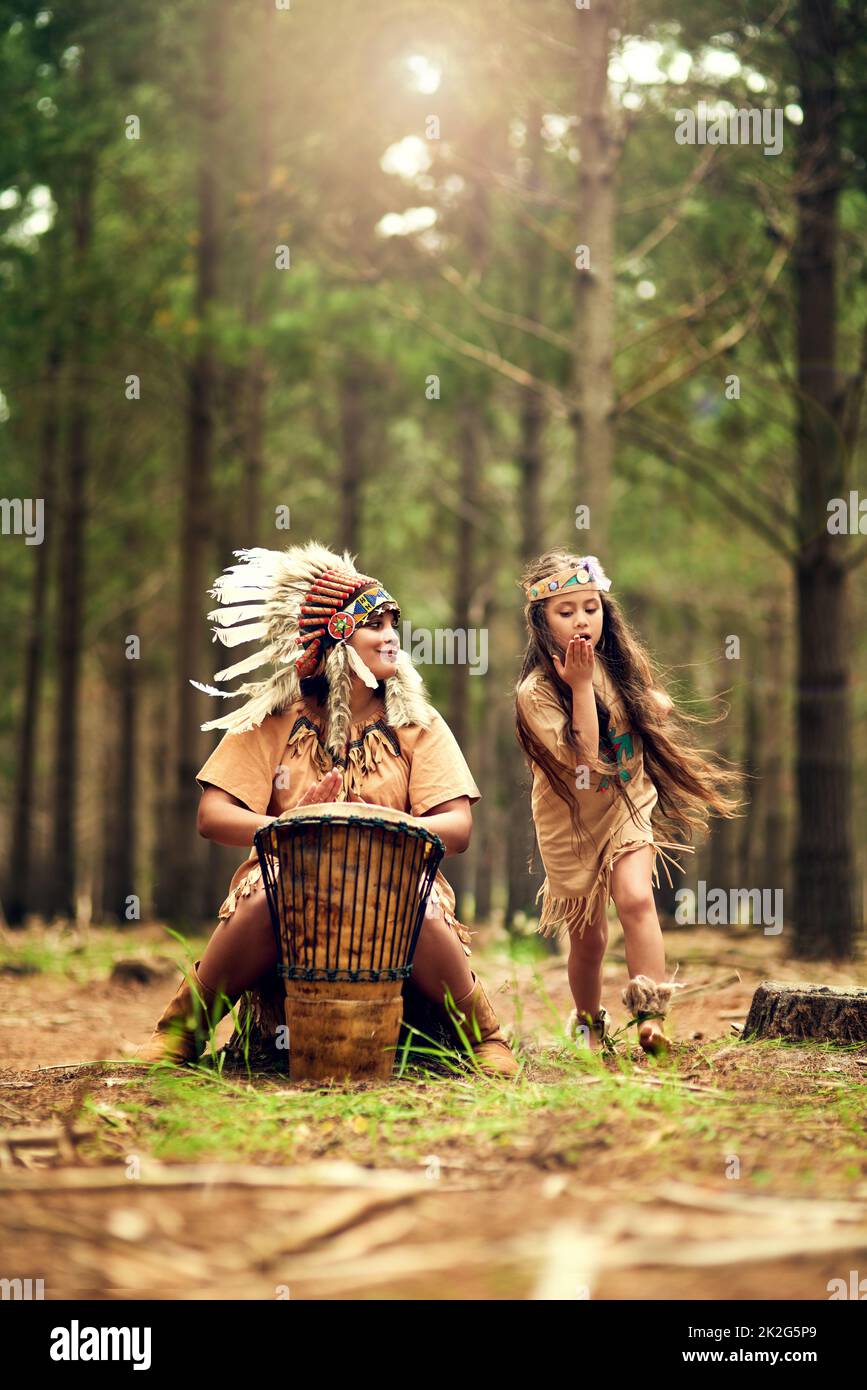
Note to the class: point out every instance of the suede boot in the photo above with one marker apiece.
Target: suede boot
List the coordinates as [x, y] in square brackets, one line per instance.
[182, 1032]
[482, 1030]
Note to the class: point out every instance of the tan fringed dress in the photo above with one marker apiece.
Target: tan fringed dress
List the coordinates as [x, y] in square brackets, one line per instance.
[578, 876]
[269, 769]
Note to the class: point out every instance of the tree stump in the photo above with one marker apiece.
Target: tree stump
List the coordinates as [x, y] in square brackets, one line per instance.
[815, 1013]
[260, 1016]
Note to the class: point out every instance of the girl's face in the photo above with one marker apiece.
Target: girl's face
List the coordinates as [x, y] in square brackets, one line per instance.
[377, 643]
[574, 615]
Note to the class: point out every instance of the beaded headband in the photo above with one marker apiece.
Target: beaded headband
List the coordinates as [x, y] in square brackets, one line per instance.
[588, 571]
[325, 611]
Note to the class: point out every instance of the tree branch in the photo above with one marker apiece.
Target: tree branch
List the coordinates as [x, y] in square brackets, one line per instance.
[559, 404]
[678, 371]
[489, 311]
[673, 217]
[662, 450]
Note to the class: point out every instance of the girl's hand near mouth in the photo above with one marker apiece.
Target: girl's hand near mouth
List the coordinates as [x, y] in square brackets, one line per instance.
[576, 668]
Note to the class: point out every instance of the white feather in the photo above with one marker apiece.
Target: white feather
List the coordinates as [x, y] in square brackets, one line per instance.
[248, 632]
[226, 616]
[235, 591]
[361, 670]
[250, 663]
[212, 690]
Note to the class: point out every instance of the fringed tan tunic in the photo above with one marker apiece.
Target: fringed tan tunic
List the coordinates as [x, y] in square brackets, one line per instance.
[578, 876]
[269, 769]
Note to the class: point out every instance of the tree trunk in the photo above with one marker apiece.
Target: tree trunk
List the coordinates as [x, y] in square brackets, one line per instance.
[486, 827]
[751, 849]
[724, 868]
[522, 885]
[774, 745]
[593, 343]
[826, 910]
[186, 867]
[262, 273]
[816, 1013]
[353, 409]
[464, 578]
[18, 901]
[121, 798]
[70, 609]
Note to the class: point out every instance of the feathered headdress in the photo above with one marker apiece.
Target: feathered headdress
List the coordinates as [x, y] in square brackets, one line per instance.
[302, 604]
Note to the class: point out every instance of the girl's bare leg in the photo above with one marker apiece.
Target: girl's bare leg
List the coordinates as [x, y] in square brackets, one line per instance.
[631, 889]
[586, 955]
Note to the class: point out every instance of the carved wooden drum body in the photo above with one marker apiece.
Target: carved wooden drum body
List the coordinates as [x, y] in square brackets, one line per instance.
[347, 886]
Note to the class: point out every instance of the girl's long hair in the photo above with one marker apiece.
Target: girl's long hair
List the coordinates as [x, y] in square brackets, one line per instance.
[691, 782]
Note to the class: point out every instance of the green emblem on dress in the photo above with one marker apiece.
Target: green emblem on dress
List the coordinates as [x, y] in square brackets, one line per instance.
[616, 748]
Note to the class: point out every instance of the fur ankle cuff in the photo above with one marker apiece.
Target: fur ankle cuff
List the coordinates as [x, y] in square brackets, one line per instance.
[645, 996]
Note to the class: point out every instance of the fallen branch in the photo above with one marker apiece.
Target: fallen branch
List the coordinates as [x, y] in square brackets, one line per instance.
[220, 1175]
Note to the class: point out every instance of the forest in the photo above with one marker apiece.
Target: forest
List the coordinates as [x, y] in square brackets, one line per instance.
[445, 285]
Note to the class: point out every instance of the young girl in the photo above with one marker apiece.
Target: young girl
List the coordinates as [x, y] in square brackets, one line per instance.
[611, 761]
[344, 719]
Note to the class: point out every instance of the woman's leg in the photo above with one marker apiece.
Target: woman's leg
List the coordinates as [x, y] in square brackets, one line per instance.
[586, 954]
[440, 962]
[631, 889]
[241, 949]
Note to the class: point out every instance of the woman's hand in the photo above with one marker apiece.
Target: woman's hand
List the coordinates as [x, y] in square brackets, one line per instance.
[324, 790]
[576, 668]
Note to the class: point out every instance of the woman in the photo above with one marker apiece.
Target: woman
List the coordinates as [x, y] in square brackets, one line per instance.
[347, 719]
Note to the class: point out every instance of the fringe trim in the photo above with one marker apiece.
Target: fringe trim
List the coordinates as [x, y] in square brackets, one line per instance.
[304, 733]
[564, 916]
[364, 757]
[442, 898]
[245, 886]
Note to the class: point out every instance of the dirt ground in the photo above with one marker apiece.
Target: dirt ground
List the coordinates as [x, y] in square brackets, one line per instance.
[625, 1207]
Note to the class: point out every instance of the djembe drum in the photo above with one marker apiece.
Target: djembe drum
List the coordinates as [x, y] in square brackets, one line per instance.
[347, 886]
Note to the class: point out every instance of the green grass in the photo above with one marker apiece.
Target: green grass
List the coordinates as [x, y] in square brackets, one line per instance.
[82, 956]
[569, 1110]
[584, 1115]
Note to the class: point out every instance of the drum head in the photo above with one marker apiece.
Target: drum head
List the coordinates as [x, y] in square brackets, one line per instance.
[356, 810]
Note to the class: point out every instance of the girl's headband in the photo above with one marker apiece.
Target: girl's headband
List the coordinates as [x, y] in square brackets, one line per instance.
[588, 571]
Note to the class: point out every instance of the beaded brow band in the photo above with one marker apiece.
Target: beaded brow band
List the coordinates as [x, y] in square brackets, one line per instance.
[589, 571]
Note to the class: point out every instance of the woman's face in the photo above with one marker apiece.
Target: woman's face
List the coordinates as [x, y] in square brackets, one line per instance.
[574, 615]
[377, 643]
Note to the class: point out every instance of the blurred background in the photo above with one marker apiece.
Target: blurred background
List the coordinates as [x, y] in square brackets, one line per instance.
[425, 281]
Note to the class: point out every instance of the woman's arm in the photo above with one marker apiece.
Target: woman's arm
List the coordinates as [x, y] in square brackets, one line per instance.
[453, 822]
[222, 817]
